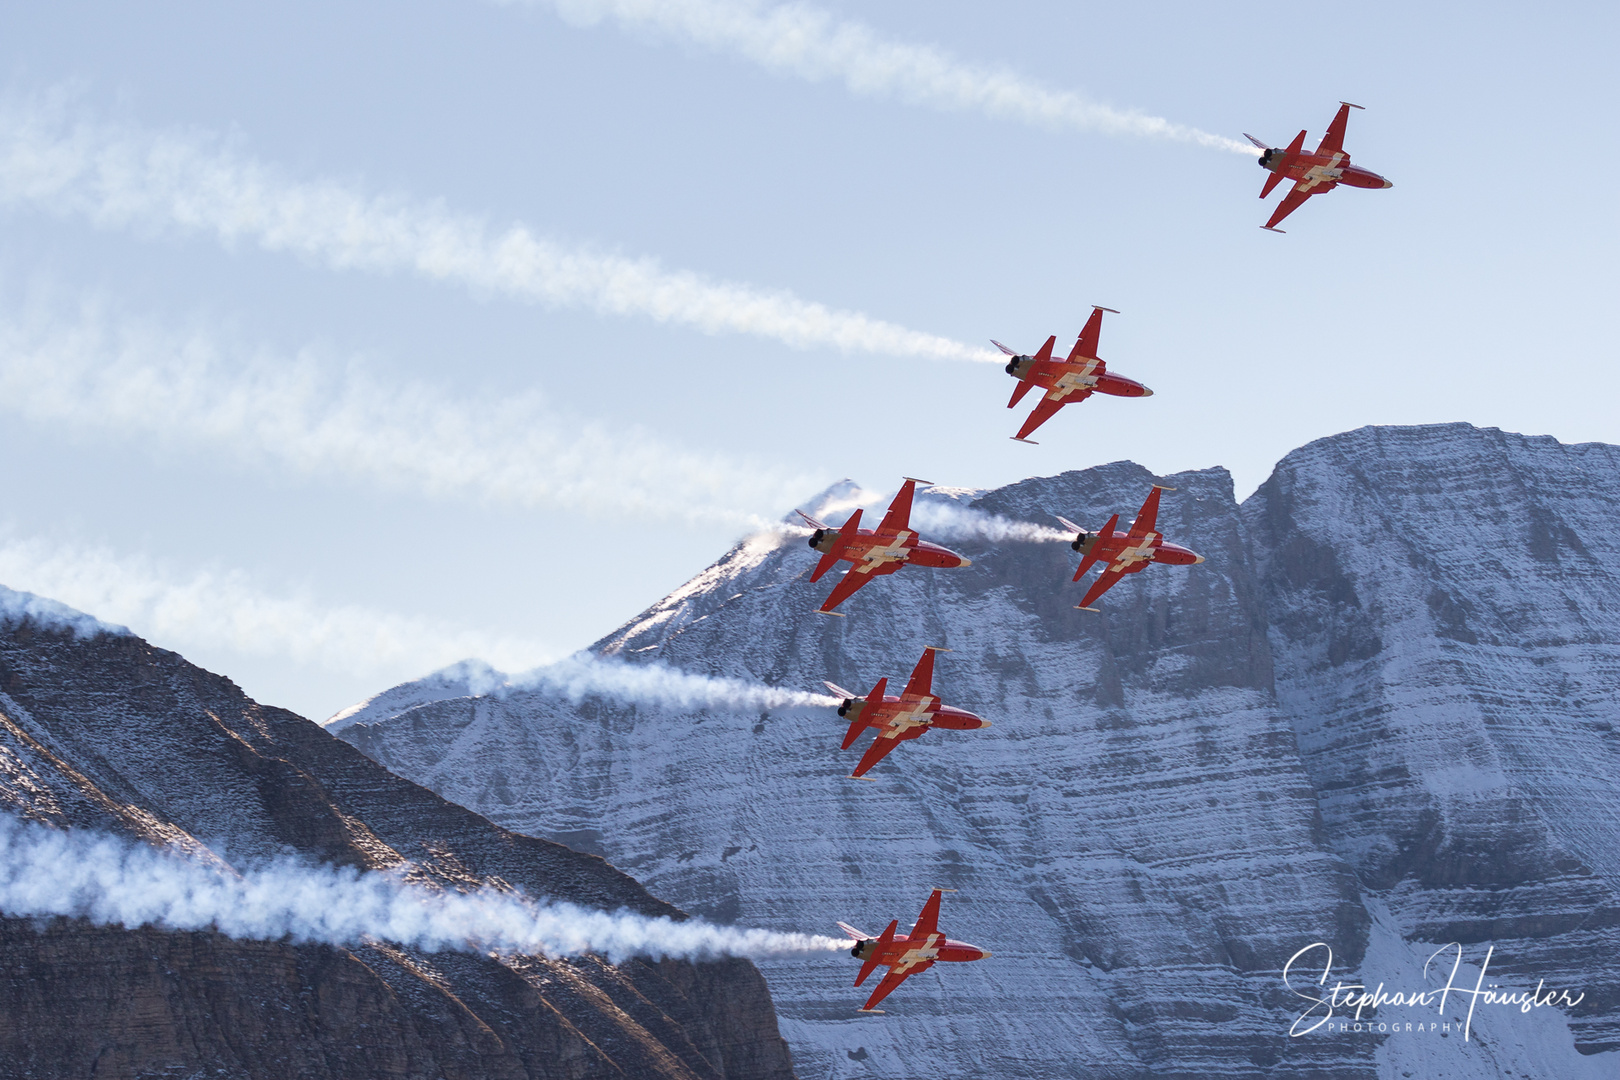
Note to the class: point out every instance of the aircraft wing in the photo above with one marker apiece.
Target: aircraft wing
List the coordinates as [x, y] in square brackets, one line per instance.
[899, 515]
[928, 922]
[1086, 346]
[1333, 140]
[890, 981]
[1105, 581]
[853, 579]
[1147, 518]
[1044, 410]
[922, 676]
[875, 753]
[1291, 202]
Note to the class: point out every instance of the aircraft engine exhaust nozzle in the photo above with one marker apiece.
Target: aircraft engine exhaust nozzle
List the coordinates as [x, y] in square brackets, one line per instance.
[815, 537]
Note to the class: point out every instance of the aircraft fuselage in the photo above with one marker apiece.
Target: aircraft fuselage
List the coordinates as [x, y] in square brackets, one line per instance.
[882, 554]
[904, 953]
[1063, 378]
[1321, 172]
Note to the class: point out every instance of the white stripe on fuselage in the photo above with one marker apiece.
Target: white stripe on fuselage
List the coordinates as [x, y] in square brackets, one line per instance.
[1141, 551]
[919, 954]
[913, 716]
[1072, 380]
[1321, 174]
[895, 551]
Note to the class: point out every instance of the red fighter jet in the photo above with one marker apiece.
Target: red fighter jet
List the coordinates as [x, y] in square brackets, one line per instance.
[873, 553]
[1126, 553]
[1065, 381]
[905, 956]
[900, 718]
[1314, 173]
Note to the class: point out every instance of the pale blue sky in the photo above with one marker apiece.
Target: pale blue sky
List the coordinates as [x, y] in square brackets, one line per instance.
[316, 568]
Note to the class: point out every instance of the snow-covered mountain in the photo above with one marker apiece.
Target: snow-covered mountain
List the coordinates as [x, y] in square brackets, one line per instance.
[1380, 716]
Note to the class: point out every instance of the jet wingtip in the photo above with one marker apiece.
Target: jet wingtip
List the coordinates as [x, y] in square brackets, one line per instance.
[1077, 607]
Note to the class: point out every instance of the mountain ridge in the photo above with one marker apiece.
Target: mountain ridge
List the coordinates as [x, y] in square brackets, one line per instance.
[1151, 822]
[101, 730]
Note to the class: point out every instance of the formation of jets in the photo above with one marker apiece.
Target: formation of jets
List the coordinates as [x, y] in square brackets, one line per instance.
[894, 543]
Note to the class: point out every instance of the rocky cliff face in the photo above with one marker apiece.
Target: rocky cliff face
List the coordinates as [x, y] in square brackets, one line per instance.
[1379, 716]
[99, 729]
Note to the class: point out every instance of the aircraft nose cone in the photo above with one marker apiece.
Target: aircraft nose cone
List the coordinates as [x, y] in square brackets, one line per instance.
[1197, 559]
[985, 954]
[1388, 184]
[965, 562]
[1146, 392]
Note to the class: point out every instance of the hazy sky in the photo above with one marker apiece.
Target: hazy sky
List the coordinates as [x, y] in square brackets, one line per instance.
[339, 342]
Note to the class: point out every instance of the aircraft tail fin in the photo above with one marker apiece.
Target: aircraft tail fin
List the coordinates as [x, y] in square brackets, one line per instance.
[877, 954]
[854, 934]
[1281, 170]
[1096, 551]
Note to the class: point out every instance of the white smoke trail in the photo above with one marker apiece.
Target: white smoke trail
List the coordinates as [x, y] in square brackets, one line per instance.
[584, 675]
[121, 176]
[578, 677]
[111, 881]
[804, 41]
[42, 611]
[331, 420]
[950, 521]
[212, 609]
[936, 517]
